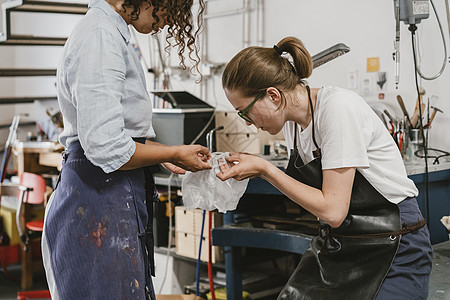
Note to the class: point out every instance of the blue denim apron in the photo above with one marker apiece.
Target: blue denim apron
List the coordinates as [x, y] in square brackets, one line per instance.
[98, 231]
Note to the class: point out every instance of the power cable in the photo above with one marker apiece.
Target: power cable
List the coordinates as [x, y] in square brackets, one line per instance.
[447, 9]
[413, 29]
[197, 274]
[444, 63]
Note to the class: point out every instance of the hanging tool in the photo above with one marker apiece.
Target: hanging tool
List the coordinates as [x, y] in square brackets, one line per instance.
[393, 129]
[400, 140]
[389, 116]
[433, 115]
[402, 106]
[435, 110]
[381, 79]
[403, 133]
[415, 117]
[396, 54]
[420, 107]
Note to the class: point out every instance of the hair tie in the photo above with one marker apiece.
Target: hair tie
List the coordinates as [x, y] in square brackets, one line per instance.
[277, 49]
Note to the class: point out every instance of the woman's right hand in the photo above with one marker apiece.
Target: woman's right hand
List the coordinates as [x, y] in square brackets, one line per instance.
[241, 166]
[192, 157]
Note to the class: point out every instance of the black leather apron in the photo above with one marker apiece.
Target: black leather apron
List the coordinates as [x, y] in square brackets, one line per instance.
[351, 261]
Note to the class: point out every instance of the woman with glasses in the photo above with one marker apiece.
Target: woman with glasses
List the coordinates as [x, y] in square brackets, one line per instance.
[98, 239]
[344, 168]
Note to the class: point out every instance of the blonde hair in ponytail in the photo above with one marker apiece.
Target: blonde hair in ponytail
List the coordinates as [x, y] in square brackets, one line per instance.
[257, 68]
[300, 56]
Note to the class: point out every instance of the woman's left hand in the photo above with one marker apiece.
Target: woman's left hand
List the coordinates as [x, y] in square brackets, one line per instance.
[173, 168]
[241, 166]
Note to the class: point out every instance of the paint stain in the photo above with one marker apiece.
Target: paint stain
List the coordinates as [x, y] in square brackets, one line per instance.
[136, 283]
[81, 211]
[122, 243]
[128, 249]
[98, 234]
[105, 219]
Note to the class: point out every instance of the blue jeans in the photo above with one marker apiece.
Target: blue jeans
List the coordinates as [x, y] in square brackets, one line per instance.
[409, 275]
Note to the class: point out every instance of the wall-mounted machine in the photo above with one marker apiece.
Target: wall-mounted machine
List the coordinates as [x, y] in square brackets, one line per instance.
[412, 12]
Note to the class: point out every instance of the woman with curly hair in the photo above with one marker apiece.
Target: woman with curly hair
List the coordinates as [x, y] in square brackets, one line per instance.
[97, 241]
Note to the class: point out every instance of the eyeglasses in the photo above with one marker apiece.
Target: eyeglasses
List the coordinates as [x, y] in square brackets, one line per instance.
[243, 113]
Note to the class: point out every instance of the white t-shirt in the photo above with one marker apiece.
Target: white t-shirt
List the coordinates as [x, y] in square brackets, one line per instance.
[350, 134]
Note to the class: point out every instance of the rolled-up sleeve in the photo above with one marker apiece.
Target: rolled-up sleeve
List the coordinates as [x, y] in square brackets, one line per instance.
[97, 76]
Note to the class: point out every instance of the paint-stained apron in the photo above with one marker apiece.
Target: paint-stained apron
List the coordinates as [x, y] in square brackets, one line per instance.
[351, 261]
[98, 235]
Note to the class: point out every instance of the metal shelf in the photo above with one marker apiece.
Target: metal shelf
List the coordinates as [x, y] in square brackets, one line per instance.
[19, 40]
[8, 39]
[51, 7]
[21, 124]
[26, 72]
[20, 100]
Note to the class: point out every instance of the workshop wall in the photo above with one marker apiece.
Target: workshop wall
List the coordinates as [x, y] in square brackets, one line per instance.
[367, 27]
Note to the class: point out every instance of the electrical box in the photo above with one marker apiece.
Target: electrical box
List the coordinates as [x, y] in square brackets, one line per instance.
[413, 11]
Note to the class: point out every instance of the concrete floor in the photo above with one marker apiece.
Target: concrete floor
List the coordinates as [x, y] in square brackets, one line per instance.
[9, 288]
[440, 274]
[439, 283]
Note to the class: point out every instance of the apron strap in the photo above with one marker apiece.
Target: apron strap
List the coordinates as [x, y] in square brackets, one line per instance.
[325, 231]
[317, 152]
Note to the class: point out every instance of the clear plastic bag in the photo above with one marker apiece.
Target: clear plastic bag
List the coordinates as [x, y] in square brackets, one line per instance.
[204, 190]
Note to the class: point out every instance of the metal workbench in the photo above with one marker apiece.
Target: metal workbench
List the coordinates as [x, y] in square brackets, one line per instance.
[233, 237]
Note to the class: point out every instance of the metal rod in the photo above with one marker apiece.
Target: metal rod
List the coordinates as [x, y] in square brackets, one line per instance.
[209, 137]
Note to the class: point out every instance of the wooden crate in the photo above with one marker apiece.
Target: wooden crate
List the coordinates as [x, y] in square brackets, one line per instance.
[187, 234]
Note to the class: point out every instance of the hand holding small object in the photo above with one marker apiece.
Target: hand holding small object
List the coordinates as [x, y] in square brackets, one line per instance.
[242, 166]
[192, 157]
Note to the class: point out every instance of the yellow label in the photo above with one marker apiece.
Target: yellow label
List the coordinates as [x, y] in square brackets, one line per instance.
[373, 64]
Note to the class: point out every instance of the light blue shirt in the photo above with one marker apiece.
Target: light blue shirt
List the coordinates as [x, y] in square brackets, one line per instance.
[102, 92]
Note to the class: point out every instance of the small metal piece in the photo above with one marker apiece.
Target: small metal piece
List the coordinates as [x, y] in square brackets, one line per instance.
[209, 137]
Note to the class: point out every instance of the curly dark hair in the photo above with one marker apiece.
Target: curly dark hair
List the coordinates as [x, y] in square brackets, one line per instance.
[181, 25]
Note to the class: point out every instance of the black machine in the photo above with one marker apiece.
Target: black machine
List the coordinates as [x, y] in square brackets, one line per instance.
[189, 119]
